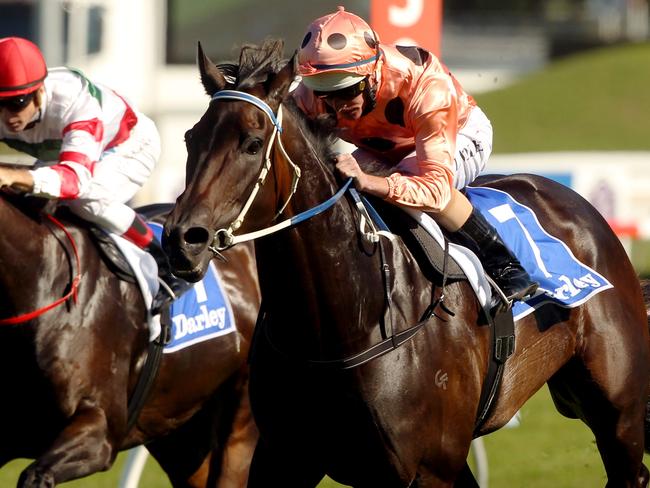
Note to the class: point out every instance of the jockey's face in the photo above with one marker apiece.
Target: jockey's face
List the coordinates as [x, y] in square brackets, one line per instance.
[17, 112]
[350, 109]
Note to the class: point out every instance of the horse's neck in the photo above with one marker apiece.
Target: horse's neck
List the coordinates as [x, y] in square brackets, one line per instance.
[317, 273]
[28, 247]
[317, 182]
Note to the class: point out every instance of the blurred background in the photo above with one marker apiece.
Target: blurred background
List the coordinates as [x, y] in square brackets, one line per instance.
[565, 82]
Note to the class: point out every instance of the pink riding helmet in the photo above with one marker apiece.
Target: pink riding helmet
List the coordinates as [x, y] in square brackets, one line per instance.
[338, 50]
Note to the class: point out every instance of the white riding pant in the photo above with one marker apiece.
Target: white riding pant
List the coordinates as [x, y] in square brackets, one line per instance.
[118, 175]
[473, 148]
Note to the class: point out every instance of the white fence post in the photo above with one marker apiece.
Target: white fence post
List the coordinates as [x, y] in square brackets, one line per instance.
[134, 467]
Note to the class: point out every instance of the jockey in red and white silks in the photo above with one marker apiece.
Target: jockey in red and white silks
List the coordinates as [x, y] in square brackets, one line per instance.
[93, 149]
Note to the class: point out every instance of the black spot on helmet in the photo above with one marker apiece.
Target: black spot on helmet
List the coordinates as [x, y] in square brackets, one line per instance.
[306, 40]
[337, 41]
[370, 40]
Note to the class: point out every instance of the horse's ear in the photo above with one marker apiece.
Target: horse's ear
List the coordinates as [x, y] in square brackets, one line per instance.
[281, 82]
[211, 77]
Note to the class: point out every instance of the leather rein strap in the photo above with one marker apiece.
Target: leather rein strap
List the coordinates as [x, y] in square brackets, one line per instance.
[19, 319]
[388, 344]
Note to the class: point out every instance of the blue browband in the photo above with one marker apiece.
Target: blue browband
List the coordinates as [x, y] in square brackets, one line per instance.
[238, 95]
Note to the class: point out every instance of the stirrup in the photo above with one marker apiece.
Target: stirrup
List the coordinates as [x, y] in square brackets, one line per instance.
[508, 301]
[503, 299]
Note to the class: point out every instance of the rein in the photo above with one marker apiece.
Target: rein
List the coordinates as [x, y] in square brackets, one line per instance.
[73, 288]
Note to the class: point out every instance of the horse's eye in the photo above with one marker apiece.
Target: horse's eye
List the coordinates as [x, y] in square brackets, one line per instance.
[254, 146]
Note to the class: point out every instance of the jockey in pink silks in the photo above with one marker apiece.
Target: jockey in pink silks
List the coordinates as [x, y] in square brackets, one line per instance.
[402, 106]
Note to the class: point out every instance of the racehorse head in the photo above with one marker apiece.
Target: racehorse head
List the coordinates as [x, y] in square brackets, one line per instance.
[228, 157]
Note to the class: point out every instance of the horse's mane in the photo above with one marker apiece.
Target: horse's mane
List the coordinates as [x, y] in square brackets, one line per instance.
[256, 63]
[32, 207]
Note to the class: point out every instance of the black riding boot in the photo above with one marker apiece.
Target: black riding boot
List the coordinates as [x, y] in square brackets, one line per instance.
[176, 285]
[499, 262]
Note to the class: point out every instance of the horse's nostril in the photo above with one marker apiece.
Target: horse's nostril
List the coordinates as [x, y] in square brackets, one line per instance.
[197, 235]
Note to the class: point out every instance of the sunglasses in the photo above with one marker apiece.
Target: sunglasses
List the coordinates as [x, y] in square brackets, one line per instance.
[18, 103]
[347, 93]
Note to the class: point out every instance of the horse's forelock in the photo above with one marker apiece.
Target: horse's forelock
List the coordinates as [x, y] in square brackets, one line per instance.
[256, 63]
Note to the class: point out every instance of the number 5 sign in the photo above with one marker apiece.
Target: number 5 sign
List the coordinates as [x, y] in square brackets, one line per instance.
[408, 22]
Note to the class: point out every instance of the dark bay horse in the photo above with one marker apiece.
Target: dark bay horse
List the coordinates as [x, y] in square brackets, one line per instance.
[66, 376]
[405, 418]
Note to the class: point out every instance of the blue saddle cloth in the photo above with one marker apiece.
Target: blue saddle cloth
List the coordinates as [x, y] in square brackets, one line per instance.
[563, 279]
[201, 313]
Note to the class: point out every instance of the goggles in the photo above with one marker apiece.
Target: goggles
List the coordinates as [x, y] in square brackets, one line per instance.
[347, 93]
[17, 103]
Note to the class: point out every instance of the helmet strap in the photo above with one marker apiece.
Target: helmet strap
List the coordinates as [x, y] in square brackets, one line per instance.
[369, 98]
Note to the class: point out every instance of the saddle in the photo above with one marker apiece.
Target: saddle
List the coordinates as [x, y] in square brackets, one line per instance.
[112, 256]
[432, 259]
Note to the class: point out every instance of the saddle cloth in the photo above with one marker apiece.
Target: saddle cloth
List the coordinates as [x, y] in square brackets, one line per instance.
[202, 313]
[563, 279]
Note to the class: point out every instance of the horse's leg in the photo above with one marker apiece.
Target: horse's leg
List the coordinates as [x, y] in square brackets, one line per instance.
[239, 445]
[606, 387]
[185, 454]
[82, 448]
[214, 448]
[272, 466]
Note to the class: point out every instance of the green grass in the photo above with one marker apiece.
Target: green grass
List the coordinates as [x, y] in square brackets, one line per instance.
[545, 450]
[594, 101]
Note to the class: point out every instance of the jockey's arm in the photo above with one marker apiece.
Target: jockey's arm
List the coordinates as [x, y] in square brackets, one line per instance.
[348, 166]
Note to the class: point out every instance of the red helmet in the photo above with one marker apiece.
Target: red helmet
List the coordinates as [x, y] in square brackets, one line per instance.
[338, 50]
[22, 67]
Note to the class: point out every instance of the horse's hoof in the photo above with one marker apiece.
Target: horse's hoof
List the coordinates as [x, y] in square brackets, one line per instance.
[644, 477]
[34, 477]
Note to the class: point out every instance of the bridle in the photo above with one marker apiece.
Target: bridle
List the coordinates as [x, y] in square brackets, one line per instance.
[225, 238]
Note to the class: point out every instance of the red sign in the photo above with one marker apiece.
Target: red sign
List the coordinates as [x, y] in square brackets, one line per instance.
[408, 22]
